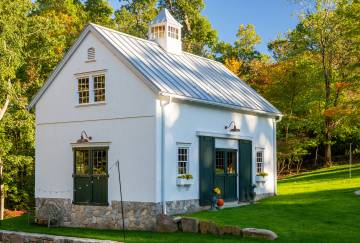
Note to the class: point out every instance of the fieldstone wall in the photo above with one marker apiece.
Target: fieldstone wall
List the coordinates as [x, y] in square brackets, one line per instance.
[138, 215]
[182, 206]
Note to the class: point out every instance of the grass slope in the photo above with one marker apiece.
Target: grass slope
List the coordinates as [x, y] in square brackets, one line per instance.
[318, 206]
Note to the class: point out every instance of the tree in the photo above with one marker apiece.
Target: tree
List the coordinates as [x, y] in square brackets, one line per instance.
[99, 12]
[326, 36]
[12, 29]
[134, 16]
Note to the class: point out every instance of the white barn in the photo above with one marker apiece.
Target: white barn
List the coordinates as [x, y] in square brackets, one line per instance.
[164, 114]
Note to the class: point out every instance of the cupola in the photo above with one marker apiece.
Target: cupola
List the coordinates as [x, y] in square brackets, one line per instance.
[166, 31]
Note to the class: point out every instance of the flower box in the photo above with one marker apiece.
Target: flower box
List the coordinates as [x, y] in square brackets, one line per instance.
[184, 182]
[259, 178]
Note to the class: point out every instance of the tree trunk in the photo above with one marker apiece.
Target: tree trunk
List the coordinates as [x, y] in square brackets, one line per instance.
[2, 197]
[4, 108]
[2, 113]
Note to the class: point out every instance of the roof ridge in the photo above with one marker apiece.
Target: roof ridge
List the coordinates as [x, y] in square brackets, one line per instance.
[125, 34]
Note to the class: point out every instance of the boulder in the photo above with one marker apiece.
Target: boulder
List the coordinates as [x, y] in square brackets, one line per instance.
[230, 230]
[190, 225]
[208, 227]
[165, 223]
[259, 233]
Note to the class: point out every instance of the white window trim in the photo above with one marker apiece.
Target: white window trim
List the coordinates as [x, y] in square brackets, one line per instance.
[260, 150]
[187, 146]
[91, 76]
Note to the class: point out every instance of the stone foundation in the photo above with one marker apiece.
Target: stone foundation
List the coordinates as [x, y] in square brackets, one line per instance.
[182, 206]
[138, 215]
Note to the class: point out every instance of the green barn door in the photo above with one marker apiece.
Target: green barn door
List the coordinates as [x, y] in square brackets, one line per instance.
[206, 169]
[225, 173]
[82, 179]
[90, 177]
[245, 171]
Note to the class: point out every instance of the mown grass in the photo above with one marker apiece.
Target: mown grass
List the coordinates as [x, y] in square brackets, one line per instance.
[318, 206]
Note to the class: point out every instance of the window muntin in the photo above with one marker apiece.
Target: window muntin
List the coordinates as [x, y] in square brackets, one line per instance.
[259, 161]
[157, 31]
[99, 88]
[220, 162]
[81, 162]
[183, 160]
[173, 32]
[83, 90]
[99, 162]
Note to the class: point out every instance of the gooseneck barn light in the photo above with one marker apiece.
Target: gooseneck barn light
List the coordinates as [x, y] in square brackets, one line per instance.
[84, 138]
[234, 128]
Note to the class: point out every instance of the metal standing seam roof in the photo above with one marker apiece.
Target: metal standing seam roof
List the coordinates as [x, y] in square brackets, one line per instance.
[186, 75]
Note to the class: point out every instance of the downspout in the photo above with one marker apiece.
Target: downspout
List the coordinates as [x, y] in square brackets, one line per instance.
[275, 121]
[163, 198]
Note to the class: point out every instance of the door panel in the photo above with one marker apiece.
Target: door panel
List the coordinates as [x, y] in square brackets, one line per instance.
[245, 170]
[99, 187]
[225, 173]
[82, 191]
[206, 169]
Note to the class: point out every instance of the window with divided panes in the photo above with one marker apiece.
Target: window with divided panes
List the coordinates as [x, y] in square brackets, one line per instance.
[259, 161]
[183, 160]
[83, 90]
[90, 175]
[91, 89]
[173, 32]
[99, 88]
[157, 31]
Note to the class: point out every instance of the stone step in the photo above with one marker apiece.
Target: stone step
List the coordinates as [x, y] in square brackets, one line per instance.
[14, 236]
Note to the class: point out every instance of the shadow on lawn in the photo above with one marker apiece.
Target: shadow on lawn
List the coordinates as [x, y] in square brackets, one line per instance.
[336, 173]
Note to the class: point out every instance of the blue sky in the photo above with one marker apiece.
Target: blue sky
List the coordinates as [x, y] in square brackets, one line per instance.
[270, 17]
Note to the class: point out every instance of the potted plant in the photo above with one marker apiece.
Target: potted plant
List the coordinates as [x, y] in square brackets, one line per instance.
[261, 177]
[216, 192]
[184, 180]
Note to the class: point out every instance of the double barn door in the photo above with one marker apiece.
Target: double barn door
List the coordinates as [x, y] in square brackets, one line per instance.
[231, 170]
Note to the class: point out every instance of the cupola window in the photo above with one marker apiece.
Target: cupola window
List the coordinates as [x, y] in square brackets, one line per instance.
[173, 32]
[157, 32]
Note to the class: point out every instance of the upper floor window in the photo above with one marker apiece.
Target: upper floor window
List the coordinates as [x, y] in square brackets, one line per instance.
[83, 90]
[259, 161]
[157, 31]
[91, 89]
[173, 32]
[183, 160]
[99, 88]
[91, 54]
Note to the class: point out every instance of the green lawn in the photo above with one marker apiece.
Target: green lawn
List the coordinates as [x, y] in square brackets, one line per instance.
[318, 206]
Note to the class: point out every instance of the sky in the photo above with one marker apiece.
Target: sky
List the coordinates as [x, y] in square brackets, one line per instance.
[270, 17]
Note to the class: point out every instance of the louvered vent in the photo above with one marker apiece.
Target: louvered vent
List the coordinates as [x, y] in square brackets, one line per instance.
[91, 54]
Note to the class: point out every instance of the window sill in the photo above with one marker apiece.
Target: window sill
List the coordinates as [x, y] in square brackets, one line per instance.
[91, 104]
[184, 182]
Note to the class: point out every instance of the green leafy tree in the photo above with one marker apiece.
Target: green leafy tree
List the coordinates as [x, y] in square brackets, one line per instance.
[134, 16]
[99, 12]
